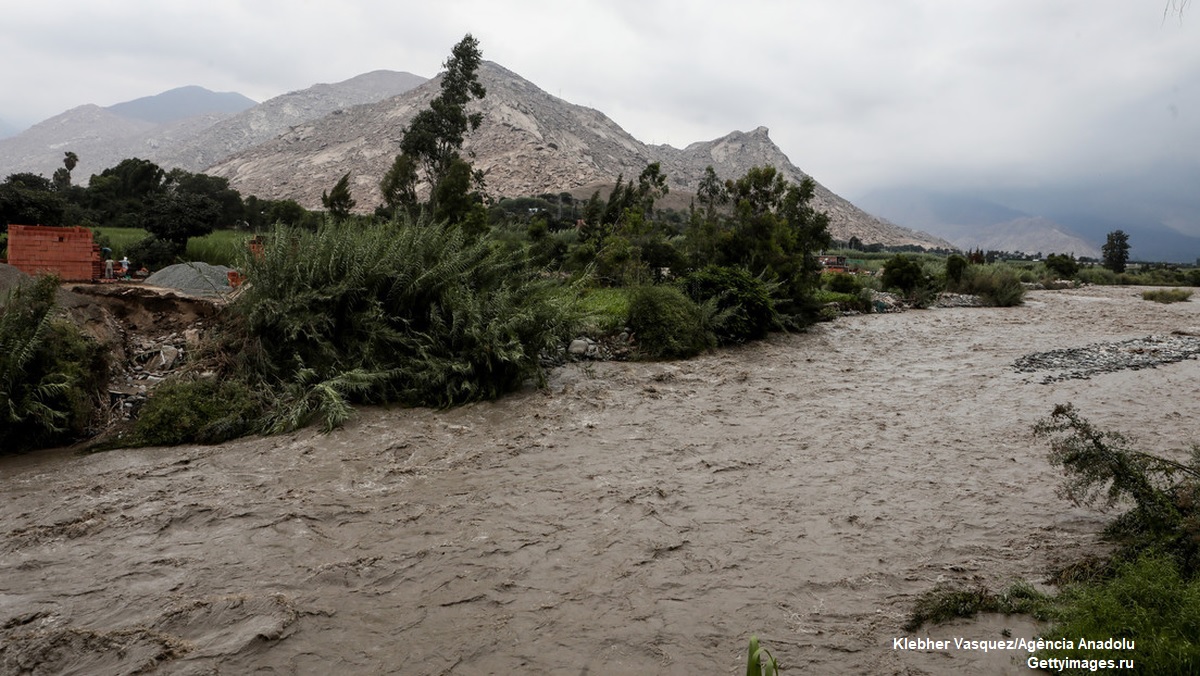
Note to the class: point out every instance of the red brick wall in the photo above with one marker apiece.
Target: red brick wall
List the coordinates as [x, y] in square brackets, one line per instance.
[66, 252]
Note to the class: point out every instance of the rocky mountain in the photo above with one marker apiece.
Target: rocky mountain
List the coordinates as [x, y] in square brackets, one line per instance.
[181, 103]
[530, 143]
[1030, 234]
[102, 137]
[97, 135]
[278, 115]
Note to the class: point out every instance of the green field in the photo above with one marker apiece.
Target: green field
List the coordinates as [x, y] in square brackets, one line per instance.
[221, 247]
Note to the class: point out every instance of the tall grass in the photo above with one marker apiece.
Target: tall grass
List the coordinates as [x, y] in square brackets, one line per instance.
[119, 239]
[400, 312]
[220, 247]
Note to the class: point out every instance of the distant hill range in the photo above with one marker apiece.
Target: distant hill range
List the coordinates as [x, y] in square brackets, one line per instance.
[972, 223]
[1156, 209]
[102, 137]
[297, 145]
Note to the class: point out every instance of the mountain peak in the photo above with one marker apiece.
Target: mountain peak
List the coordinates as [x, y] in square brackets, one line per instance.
[181, 103]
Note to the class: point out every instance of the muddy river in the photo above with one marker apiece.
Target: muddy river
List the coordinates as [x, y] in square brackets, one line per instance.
[630, 518]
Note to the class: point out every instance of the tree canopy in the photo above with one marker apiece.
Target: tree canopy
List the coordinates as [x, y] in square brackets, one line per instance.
[1116, 251]
[431, 144]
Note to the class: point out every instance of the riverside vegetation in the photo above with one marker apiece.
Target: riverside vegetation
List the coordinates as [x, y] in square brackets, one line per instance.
[1147, 590]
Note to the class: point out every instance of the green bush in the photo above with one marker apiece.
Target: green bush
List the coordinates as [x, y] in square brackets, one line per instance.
[745, 298]
[196, 411]
[841, 302]
[1062, 265]
[997, 285]
[1097, 275]
[415, 313]
[154, 253]
[51, 375]
[903, 273]
[839, 282]
[1147, 601]
[1102, 469]
[1167, 295]
[668, 324]
[956, 265]
[605, 310]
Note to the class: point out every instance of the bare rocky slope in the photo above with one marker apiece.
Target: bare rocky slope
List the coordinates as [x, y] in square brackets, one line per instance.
[530, 143]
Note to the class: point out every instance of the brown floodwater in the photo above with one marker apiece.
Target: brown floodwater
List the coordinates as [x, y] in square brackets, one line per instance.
[630, 518]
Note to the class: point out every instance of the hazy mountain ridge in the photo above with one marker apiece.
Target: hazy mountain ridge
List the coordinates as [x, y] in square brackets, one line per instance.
[97, 135]
[181, 103]
[1056, 218]
[101, 137]
[974, 223]
[530, 143]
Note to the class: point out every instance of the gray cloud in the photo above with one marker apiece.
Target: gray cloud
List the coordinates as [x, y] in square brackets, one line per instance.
[857, 94]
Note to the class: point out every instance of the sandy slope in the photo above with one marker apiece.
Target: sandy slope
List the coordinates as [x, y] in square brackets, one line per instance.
[631, 516]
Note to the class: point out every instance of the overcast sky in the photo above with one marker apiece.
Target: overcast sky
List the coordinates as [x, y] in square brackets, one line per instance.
[860, 95]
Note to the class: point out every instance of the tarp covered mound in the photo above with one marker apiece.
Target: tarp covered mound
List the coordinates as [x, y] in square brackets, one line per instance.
[194, 278]
[10, 277]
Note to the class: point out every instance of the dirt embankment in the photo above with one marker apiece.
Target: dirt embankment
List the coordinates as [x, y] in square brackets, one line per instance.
[632, 517]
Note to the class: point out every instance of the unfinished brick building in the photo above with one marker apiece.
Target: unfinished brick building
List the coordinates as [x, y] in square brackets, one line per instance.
[69, 253]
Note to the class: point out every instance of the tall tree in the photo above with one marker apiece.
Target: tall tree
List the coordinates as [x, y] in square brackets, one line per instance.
[338, 200]
[28, 199]
[652, 186]
[399, 185]
[1116, 251]
[62, 177]
[433, 141]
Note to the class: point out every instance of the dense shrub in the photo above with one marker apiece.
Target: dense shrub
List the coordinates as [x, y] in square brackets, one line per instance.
[1062, 265]
[197, 411]
[745, 299]
[414, 313]
[997, 285]
[839, 282]
[956, 265]
[1103, 470]
[51, 375]
[1152, 594]
[1149, 591]
[1167, 295]
[668, 324]
[153, 252]
[605, 310]
[1097, 275]
[903, 273]
[834, 303]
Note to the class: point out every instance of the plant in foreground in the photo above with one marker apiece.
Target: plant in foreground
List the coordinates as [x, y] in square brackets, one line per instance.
[760, 661]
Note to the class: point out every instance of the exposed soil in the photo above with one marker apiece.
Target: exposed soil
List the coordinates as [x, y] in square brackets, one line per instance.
[632, 517]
